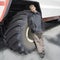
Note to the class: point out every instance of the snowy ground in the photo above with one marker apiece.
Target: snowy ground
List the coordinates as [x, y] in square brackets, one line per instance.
[52, 48]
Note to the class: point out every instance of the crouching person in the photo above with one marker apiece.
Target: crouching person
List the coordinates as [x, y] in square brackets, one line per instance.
[35, 24]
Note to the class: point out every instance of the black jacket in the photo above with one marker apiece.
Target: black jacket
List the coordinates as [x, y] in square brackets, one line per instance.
[35, 22]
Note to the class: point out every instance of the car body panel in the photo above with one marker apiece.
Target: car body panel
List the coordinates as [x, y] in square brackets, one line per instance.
[49, 8]
[4, 6]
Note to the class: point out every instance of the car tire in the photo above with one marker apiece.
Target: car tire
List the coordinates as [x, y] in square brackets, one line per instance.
[18, 36]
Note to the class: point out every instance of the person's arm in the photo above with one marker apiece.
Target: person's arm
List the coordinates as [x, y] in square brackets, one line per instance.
[31, 24]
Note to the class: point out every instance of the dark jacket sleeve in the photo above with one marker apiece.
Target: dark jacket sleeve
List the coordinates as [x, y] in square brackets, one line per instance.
[31, 25]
